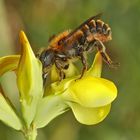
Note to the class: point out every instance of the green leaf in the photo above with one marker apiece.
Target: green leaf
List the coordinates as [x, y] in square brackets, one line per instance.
[7, 114]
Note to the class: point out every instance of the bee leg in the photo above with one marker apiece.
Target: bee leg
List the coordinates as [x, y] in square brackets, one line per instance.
[44, 76]
[61, 72]
[101, 48]
[84, 62]
[60, 69]
[91, 47]
[62, 75]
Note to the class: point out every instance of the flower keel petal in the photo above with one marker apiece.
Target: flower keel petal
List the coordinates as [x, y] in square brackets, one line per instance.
[90, 116]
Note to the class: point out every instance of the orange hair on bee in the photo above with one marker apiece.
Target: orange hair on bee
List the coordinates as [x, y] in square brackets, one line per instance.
[54, 42]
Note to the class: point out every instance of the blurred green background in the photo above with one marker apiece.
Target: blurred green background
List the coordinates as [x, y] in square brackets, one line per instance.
[42, 18]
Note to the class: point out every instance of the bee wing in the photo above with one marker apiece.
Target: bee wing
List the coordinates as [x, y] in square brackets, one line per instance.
[66, 39]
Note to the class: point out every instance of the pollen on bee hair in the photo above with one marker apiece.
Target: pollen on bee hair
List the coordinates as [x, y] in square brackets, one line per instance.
[86, 26]
[100, 23]
[92, 22]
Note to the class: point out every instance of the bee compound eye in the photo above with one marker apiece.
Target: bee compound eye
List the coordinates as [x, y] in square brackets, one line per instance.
[47, 58]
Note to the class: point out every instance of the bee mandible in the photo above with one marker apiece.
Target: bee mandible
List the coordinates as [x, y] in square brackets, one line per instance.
[73, 44]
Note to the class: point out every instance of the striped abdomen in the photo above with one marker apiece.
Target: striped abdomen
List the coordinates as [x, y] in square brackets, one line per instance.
[94, 30]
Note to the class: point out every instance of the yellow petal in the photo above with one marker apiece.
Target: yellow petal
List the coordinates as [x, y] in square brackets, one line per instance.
[8, 63]
[91, 92]
[70, 72]
[58, 87]
[96, 68]
[7, 114]
[90, 116]
[49, 107]
[72, 75]
[29, 79]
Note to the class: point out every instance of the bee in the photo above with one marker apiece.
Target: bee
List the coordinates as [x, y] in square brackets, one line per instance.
[73, 44]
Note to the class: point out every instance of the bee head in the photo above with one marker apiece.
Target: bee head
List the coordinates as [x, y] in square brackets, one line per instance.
[47, 58]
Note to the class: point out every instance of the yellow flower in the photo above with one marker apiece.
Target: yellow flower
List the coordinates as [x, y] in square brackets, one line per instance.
[29, 78]
[89, 98]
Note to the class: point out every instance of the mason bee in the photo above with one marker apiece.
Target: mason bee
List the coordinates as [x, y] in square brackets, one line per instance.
[73, 44]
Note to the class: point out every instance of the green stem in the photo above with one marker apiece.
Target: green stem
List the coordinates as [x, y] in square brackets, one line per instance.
[31, 133]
